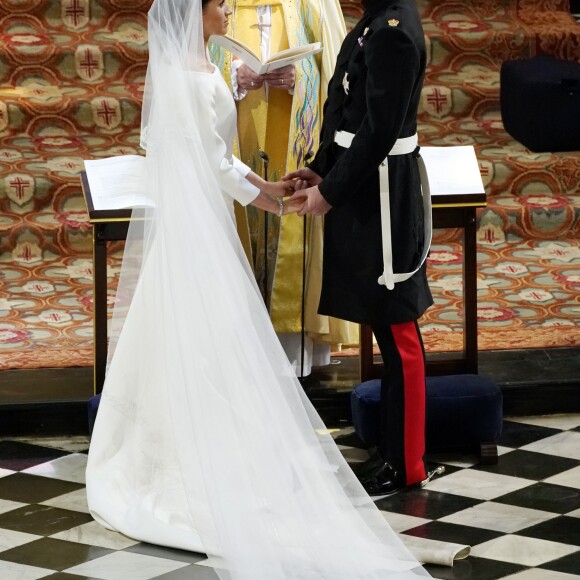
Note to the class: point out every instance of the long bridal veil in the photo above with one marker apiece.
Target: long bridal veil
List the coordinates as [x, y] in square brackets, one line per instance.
[204, 438]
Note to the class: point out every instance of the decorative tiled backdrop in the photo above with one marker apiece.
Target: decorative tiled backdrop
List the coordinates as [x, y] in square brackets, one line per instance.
[71, 74]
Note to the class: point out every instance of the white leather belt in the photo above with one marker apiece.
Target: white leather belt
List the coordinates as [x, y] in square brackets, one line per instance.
[401, 147]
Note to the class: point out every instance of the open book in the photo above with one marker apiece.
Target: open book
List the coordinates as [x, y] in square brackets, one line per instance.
[277, 60]
[453, 172]
[117, 182]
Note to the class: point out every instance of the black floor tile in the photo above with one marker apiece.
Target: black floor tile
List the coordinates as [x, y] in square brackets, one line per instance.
[519, 434]
[544, 496]
[568, 564]
[427, 504]
[17, 456]
[66, 576]
[53, 554]
[563, 529]
[350, 440]
[457, 534]
[474, 569]
[192, 572]
[27, 488]
[529, 465]
[167, 553]
[42, 520]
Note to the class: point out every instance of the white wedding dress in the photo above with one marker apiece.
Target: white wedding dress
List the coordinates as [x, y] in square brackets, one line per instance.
[204, 439]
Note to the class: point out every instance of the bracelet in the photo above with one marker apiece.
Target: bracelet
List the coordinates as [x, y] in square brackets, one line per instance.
[280, 201]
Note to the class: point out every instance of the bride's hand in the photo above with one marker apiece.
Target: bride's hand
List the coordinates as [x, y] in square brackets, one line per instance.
[279, 188]
[293, 205]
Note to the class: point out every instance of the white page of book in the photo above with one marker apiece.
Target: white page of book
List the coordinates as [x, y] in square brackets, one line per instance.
[452, 170]
[117, 182]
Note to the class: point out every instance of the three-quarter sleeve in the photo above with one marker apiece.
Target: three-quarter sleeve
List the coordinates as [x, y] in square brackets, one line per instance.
[233, 180]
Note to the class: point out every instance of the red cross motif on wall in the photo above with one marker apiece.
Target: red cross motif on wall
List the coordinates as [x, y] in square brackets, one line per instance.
[88, 63]
[19, 186]
[436, 99]
[74, 11]
[106, 112]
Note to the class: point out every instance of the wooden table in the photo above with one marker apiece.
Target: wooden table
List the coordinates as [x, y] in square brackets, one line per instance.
[108, 226]
[449, 211]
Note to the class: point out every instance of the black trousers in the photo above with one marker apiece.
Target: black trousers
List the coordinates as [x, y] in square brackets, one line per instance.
[403, 396]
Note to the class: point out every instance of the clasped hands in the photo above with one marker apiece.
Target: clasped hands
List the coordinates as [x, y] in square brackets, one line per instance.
[304, 196]
[282, 78]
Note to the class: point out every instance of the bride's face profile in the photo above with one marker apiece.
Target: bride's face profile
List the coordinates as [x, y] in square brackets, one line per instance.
[216, 15]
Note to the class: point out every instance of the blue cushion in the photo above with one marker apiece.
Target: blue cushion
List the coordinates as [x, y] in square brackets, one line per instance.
[462, 411]
[93, 407]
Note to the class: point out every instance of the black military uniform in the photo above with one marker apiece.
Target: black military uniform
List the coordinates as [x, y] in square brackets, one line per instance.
[374, 94]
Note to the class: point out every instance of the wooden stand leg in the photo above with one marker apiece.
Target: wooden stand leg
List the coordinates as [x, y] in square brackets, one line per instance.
[100, 307]
[488, 452]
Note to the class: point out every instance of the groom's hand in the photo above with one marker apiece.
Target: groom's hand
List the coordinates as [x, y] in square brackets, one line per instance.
[314, 202]
[303, 178]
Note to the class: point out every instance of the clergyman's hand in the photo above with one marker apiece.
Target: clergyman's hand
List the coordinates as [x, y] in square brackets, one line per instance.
[248, 80]
[314, 204]
[282, 78]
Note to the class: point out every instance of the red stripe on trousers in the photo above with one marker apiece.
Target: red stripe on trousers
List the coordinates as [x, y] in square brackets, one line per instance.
[413, 364]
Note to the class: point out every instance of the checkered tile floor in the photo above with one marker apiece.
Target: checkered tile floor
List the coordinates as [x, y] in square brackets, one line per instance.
[521, 517]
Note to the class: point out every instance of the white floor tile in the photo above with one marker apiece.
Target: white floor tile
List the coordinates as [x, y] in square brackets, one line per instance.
[565, 444]
[455, 459]
[563, 421]
[498, 517]
[12, 571]
[574, 514]
[69, 468]
[7, 505]
[75, 501]
[126, 566]
[72, 443]
[570, 478]
[504, 450]
[540, 574]
[477, 484]
[353, 454]
[522, 550]
[6, 472]
[11, 539]
[403, 522]
[94, 534]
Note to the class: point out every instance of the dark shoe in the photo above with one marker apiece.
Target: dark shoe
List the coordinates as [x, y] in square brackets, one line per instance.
[365, 467]
[383, 480]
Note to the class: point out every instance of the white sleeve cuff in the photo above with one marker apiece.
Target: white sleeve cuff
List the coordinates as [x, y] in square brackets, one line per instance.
[238, 93]
[234, 182]
[240, 166]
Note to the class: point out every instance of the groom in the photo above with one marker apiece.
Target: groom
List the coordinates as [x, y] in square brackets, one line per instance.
[370, 125]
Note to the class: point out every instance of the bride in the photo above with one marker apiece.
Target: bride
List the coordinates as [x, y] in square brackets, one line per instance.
[204, 439]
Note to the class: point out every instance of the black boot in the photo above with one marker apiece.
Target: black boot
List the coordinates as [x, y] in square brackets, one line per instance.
[365, 467]
[383, 480]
